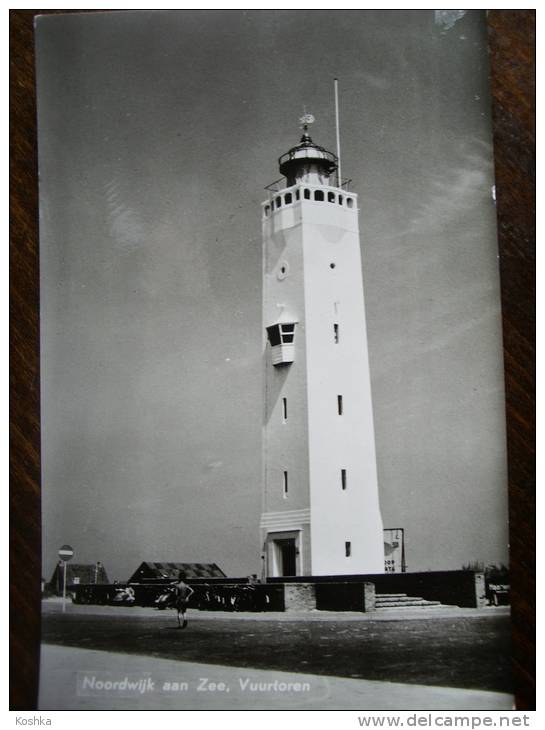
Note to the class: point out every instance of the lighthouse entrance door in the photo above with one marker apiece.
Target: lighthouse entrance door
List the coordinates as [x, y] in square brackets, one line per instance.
[283, 554]
[287, 556]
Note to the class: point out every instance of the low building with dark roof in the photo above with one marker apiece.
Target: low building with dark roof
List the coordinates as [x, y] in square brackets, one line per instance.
[166, 572]
[77, 574]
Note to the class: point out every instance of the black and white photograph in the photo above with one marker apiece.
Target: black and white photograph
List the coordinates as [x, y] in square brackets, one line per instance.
[274, 466]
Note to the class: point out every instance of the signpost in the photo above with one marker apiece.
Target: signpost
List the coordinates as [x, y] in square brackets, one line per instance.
[394, 550]
[66, 553]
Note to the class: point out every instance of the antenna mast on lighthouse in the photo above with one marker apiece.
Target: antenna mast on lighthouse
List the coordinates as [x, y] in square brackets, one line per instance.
[339, 176]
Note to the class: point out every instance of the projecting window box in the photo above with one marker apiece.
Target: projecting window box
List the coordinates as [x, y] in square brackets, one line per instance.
[281, 337]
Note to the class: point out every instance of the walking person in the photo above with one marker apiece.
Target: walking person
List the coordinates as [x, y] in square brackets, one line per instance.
[183, 594]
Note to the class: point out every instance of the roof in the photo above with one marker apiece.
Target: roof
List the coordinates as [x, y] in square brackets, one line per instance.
[77, 573]
[306, 150]
[148, 571]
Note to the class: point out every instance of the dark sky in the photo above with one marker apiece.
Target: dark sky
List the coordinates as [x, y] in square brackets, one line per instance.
[158, 132]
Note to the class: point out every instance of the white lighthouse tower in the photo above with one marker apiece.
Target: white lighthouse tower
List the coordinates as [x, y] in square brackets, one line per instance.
[321, 513]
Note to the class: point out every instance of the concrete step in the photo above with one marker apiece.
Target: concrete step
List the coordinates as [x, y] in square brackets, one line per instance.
[398, 599]
[407, 604]
[386, 601]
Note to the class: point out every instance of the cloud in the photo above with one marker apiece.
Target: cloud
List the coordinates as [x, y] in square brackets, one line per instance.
[214, 465]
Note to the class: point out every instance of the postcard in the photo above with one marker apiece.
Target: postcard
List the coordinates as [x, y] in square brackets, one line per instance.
[273, 429]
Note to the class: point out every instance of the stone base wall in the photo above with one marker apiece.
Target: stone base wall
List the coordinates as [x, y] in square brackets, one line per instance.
[369, 597]
[299, 597]
[324, 593]
[462, 588]
[345, 596]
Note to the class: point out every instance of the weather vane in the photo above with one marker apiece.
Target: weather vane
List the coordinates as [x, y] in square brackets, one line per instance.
[305, 120]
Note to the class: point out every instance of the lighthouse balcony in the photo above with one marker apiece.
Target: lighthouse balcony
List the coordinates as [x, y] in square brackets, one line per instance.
[311, 153]
[304, 193]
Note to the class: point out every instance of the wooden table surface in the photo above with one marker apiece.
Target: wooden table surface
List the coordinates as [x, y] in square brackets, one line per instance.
[512, 46]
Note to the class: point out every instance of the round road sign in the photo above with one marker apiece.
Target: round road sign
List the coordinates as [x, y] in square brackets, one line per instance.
[66, 553]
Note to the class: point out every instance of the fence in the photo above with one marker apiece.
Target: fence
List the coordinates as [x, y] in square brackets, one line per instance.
[207, 597]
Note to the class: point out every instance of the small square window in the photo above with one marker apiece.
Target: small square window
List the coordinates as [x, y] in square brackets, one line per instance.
[287, 331]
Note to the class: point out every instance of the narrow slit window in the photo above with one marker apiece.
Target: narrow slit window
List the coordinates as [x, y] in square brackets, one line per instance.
[336, 333]
[343, 479]
[278, 201]
[306, 194]
[267, 210]
[348, 549]
[297, 194]
[285, 485]
[340, 404]
[350, 202]
[340, 199]
[284, 409]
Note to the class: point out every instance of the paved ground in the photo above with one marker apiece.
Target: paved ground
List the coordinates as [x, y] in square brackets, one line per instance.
[71, 680]
[54, 605]
[460, 648]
